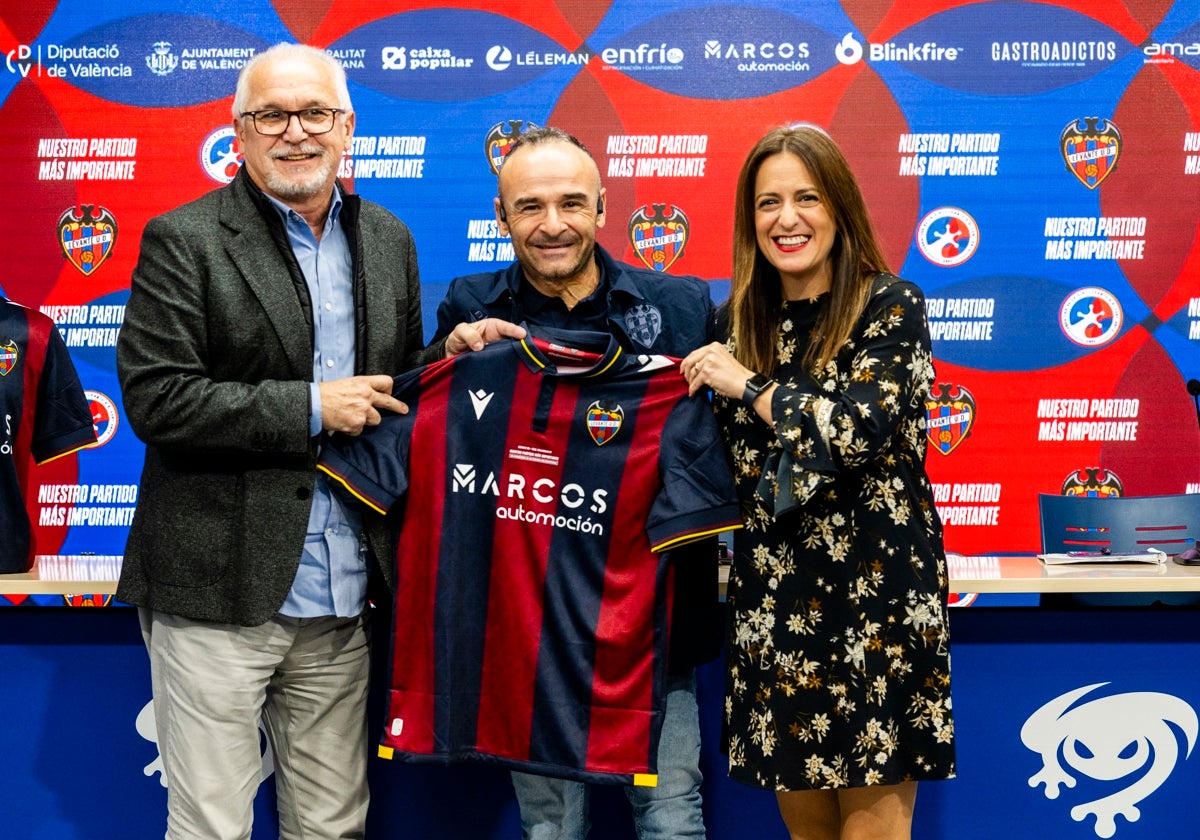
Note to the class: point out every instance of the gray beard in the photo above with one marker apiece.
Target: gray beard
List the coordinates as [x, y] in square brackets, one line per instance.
[290, 190]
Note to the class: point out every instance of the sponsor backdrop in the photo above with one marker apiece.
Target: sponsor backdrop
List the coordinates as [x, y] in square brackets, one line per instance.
[1033, 166]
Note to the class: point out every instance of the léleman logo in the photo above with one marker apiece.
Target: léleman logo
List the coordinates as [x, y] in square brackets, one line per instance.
[499, 57]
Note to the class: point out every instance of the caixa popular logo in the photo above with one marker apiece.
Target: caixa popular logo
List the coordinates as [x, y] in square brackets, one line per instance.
[658, 237]
[1128, 744]
[1090, 316]
[87, 236]
[104, 416]
[948, 236]
[219, 155]
[949, 416]
[500, 139]
[1095, 482]
[1090, 147]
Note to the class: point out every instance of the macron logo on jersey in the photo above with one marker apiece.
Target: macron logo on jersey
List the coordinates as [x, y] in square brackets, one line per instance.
[480, 400]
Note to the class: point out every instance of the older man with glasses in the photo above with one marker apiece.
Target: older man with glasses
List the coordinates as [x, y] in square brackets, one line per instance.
[262, 317]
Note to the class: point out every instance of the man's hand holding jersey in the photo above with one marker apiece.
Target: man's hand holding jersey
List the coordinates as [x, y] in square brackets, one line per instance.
[473, 336]
[351, 404]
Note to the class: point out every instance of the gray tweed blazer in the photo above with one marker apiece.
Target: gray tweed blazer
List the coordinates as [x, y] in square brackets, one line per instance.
[214, 360]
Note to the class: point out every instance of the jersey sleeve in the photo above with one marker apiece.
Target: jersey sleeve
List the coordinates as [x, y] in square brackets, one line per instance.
[62, 421]
[373, 466]
[698, 497]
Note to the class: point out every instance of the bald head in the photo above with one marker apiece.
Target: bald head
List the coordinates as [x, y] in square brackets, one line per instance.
[551, 203]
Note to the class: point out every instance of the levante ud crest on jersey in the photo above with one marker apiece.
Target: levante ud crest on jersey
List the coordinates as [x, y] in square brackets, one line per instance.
[604, 421]
[8, 357]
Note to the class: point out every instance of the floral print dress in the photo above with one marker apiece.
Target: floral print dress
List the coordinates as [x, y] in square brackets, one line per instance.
[838, 656]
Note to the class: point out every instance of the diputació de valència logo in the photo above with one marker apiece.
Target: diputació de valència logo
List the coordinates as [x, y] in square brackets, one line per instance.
[1132, 739]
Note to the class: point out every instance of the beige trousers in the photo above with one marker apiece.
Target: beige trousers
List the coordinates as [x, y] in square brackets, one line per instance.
[306, 679]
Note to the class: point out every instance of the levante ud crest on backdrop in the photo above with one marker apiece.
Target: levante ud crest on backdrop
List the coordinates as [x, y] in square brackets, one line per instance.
[658, 237]
[1090, 148]
[87, 237]
[949, 415]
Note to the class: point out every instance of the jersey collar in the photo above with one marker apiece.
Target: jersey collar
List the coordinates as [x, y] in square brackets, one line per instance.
[567, 352]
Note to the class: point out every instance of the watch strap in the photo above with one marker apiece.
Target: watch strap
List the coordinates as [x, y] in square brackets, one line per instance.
[755, 385]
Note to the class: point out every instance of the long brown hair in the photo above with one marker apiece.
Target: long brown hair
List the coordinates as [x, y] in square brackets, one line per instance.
[756, 291]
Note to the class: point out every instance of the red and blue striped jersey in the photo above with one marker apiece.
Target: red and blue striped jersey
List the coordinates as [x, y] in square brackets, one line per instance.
[43, 415]
[543, 483]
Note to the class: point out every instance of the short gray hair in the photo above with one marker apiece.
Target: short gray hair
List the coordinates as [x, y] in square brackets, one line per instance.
[285, 50]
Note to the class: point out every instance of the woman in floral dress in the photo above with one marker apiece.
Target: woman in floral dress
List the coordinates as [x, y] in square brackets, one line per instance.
[838, 690]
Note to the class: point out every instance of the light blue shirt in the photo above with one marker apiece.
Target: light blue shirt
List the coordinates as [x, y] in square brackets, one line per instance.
[332, 579]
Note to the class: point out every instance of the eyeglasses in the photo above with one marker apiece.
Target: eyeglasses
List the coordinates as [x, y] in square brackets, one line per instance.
[273, 122]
